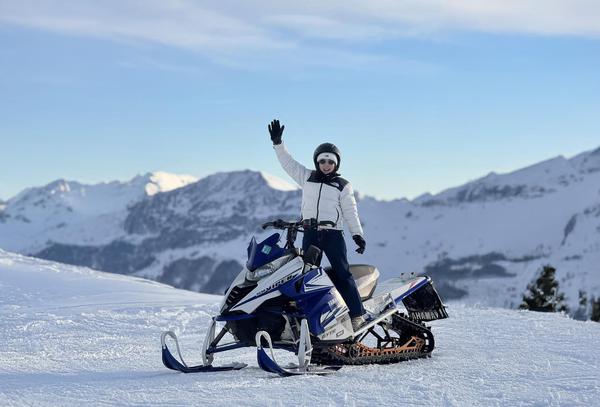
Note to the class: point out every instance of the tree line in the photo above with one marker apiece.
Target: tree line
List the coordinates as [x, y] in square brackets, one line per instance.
[543, 295]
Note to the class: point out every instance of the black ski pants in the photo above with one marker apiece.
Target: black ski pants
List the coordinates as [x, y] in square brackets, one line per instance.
[332, 243]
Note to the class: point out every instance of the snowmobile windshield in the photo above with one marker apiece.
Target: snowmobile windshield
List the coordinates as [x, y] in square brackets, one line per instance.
[264, 252]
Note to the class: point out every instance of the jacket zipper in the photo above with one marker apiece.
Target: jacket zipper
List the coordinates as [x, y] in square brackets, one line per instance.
[319, 200]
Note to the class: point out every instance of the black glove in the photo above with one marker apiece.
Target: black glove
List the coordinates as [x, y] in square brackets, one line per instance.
[360, 242]
[275, 130]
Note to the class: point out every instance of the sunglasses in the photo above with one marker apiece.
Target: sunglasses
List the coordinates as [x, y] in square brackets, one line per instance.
[330, 162]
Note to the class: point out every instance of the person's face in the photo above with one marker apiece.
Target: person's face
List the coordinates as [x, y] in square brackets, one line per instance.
[326, 166]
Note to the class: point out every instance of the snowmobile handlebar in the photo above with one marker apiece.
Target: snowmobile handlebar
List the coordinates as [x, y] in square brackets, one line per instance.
[300, 225]
[292, 230]
[294, 227]
[281, 224]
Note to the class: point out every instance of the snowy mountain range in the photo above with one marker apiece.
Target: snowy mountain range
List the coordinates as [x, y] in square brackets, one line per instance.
[482, 241]
[68, 211]
[73, 336]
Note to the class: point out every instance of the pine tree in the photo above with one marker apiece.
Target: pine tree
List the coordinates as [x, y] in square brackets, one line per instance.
[595, 309]
[582, 312]
[543, 294]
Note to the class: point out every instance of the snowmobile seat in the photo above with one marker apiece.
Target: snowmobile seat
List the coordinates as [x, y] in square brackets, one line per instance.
[365, 277]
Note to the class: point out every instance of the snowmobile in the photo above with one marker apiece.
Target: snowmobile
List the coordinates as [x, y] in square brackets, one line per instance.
[284, 299]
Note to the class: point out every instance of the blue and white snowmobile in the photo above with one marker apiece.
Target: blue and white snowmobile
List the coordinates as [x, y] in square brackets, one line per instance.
[283, 299]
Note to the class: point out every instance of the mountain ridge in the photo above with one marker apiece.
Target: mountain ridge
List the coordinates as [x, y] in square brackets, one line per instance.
[484, 240]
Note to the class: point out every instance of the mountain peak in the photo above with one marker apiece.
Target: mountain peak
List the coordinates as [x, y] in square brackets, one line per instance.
[161, 181]
[588, 161]
[244, 180]
[55, 188]
[277, 183]
[60, 185]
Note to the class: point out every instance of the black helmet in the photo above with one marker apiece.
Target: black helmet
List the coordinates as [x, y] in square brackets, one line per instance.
[327, 148]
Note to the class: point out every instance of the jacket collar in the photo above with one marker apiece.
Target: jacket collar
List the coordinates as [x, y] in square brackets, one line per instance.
[321, 177]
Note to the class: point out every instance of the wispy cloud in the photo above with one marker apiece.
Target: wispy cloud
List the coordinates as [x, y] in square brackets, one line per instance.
[392, 17]
[230, 32]
[542, 17]
[329, 28]
[150, 63]
[238, 23]
[175, 23]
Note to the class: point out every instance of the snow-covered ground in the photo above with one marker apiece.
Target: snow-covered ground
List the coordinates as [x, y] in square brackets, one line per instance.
[74, 336]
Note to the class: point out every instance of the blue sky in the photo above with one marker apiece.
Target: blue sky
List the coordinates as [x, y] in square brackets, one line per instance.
[419, 95]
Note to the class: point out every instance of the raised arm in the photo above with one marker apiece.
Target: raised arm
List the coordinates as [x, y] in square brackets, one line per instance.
[297, 171]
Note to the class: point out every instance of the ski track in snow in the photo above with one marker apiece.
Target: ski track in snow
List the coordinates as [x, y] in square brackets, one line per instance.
[73, 336]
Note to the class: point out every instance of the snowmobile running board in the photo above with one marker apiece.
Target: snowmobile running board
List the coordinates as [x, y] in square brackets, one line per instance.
[172, 363]
[377, 318]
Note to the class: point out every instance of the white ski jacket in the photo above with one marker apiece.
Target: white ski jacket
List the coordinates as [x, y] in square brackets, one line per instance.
[331, 200]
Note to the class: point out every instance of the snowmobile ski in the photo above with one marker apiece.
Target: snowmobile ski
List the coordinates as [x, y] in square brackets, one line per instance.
[269, 364]
[172, 363]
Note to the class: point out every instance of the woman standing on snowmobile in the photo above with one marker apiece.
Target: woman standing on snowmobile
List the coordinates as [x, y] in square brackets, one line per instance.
[326, 198]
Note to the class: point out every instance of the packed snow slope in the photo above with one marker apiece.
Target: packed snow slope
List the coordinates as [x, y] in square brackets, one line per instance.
[74, 336]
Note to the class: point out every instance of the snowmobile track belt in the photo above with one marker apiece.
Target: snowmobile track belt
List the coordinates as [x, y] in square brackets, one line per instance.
[415, 341]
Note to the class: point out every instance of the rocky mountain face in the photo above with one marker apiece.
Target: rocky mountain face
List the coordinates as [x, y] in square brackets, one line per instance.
[215, 209]
[164, 235]
[74, 213]
[482, 241]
